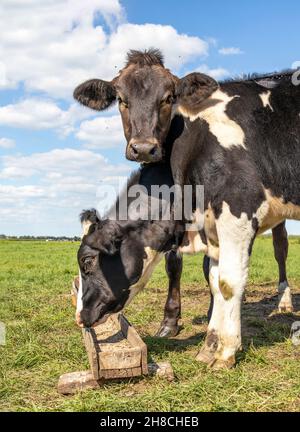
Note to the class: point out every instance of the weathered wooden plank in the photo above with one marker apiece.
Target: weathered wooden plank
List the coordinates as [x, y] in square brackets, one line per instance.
[134, 339]
[92, 350]
[110, 349]
[73, 382]
[120, 359]
[121, 373]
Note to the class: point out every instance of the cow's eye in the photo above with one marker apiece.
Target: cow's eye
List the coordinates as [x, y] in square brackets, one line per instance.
[87, 263]
[168, 100]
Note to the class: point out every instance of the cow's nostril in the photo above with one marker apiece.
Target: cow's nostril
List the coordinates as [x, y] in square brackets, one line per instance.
[134, 149]
[152, 151]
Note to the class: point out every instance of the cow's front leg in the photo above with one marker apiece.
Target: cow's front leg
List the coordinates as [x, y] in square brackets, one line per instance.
[227, 278]
[208, 350]
[281, 245]
[172, 312]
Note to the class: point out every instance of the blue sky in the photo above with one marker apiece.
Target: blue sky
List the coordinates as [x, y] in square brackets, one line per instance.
[54, 154]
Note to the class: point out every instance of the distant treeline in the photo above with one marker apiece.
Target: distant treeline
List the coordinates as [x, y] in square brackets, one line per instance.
[45, 238]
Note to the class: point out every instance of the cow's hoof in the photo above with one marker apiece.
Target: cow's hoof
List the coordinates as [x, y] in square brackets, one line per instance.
[205, 355]
[285, 308]
[219, 364]
[168, 331]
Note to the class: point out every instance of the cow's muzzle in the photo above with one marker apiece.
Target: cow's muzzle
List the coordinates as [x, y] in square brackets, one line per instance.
[144, 151]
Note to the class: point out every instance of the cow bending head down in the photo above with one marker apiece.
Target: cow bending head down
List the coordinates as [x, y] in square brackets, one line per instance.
[110, 262]
[115, 262]
[148, 95]
[117, 255]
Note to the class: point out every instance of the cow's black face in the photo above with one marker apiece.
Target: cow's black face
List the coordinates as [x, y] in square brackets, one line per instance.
[145, 96]
[146, 92]
[110, 264]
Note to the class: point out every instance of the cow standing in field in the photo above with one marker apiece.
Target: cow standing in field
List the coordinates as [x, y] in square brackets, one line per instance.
[238, 139]
[173, 265]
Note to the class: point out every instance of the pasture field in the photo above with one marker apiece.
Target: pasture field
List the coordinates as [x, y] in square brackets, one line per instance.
[43, 341]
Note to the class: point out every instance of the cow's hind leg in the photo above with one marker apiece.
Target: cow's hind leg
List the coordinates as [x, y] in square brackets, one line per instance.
[169, 326]
[281, 245]
[205, 267]
[228, 278]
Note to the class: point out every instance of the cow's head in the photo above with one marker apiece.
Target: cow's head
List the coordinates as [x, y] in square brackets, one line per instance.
[114, 264]
[147, 94]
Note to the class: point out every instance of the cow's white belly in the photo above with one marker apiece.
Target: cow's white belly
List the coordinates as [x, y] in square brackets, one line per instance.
[277, 212]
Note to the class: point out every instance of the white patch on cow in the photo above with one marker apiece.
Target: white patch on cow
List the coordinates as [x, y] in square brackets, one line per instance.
[228, 278]
[227, 131]
[265, 97]
[285, 298]
[85, 227]
[230, 332]
[235, 236]
[215, 322]
[153, 258]
[226, 318]
[79, 305]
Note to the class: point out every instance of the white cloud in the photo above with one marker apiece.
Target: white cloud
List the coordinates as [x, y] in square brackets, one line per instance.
[36, 114]
[10, 193]
[46, 191]
[216, 73]
[53, 45]
[230, 51]
[58, 165]
[47, 43]
[6, 143]
[102, 132]
[178, 49]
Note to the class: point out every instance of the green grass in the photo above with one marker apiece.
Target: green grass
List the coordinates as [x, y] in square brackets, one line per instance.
[43, 342]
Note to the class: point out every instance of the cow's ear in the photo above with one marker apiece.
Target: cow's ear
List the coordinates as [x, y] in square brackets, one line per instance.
[90, 215]
[193, 89]
[88, 219]
[96, 94]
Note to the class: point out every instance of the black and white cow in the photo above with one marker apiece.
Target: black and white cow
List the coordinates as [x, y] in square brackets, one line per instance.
[240, 139]
[173, 265]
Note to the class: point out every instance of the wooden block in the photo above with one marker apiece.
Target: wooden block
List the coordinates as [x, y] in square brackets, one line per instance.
[90, 342]
[121, 373]
[73, 382]
[115, 349]
[134, 338]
